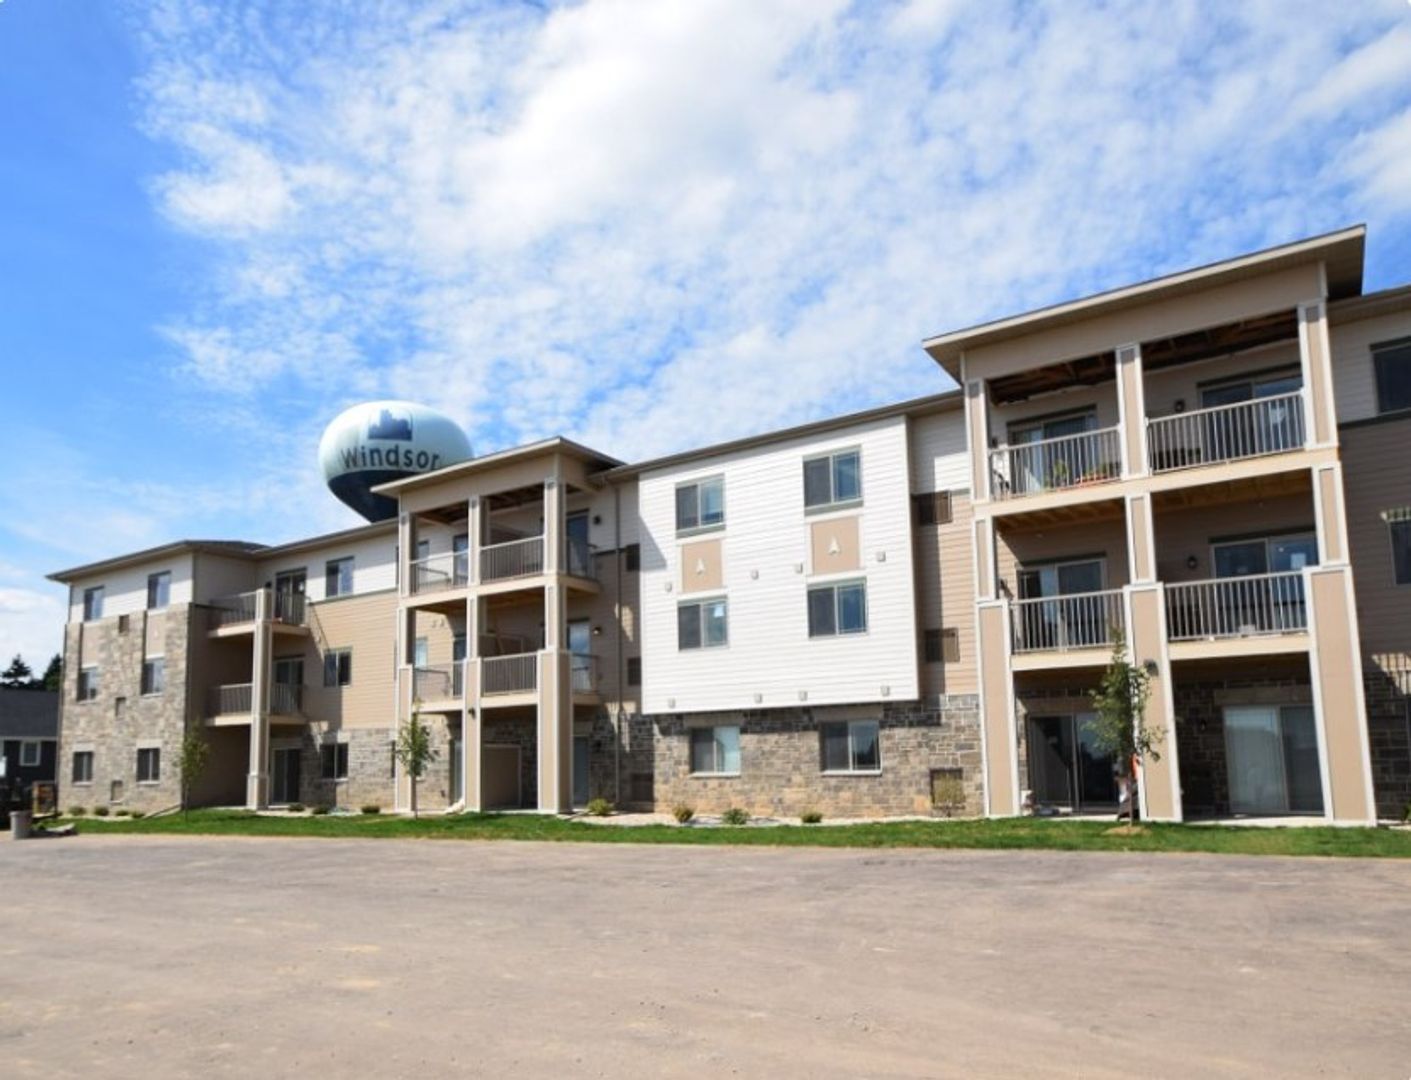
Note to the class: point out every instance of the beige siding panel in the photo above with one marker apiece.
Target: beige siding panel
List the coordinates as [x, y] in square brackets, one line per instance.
[939, 461]
[1000, 734]
[1313, 323]
[1158, 776]
[945, 597]
[1338, 679]
[219, 575]
[835, 546]
[702, 566]
[1354, 377]
[1377, 478]
[1330, 500]
[367, 625]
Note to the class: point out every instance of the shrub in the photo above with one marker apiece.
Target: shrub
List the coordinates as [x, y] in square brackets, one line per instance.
[100, 811]
[77, 811]
[319, 811]
[372, 808]
[295, 808]
[599, 807]
[137, 814]
[810, 817]
[735, 816]
[683, 813]
[120, 812]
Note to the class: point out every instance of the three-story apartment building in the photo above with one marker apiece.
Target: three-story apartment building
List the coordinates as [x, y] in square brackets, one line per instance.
[895, 612]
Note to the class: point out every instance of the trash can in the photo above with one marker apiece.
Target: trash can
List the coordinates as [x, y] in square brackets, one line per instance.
[19, 824]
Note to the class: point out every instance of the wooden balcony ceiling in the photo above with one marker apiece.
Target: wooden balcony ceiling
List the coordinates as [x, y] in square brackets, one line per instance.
[1054, 517]
[1219, 340]
[1022, 385]
[1251, 489]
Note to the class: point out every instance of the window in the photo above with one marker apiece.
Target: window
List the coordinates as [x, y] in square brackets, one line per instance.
[700, 505]
[942, 646]
[149, 765]
[634, 557]
[835, 478]
[702, 625]
[154, 675]
[338, 667]
[334, 759]
[1393, 366]
[634, 671]
[853, 746]
[93, 603]
[421, 653]
[338, 577]
[29, 754]
[716, 750]
[837, 609]
[1399, 523]
[158, 590]
[88, 683]
[1248, 388]
[931, 508]
[82, 772]
[1264, 554]
[423, 550]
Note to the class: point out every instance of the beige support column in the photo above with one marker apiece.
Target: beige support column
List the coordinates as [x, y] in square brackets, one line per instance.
[555, 732]
[1141, 539]
[986, 560]
[261, 668]
[406, 547]
[406, 636]
[471, 736]
[977, 434]
[1131, 409]
[999, 744]
[474, 535]
[1160, 782]
[1315, 355]
[1339, 704]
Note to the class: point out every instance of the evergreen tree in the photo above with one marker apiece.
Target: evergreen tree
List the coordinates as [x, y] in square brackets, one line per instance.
[17, 676]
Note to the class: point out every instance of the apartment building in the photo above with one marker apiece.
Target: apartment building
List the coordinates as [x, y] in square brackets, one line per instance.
[901, 611]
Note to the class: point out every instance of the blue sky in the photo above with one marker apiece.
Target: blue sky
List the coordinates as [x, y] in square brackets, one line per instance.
[645, 226]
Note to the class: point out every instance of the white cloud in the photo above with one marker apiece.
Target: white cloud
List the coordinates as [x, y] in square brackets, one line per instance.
[32, 625]
[658, 225]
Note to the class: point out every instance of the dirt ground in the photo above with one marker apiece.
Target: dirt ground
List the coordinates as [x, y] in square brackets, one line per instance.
[167, 957]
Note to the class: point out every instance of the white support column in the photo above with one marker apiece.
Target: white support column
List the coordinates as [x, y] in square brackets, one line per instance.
[1131, 410]
[261, 665]
[474, 527]
[471, 736]
[406, 547]
[977, 434]
[1315, 358]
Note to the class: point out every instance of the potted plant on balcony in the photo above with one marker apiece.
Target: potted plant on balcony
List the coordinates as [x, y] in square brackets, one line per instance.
[1058, 474]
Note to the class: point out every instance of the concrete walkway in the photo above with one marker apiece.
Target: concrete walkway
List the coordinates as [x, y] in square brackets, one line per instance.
[159, 957]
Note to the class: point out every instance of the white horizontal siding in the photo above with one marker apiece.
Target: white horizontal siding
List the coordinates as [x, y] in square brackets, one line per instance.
[125, 590]
[939, 460]
[765, 540]
[374, 565]
[1354, 378]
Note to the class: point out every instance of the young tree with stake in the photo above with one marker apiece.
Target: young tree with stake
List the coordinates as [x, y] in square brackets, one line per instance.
[1119, 727]
[414, 750]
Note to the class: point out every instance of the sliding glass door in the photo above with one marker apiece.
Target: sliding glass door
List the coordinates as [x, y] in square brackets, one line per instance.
[1066, 769]
[1272, 758]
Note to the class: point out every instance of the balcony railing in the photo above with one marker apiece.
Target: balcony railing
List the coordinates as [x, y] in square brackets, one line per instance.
[1068, 461]
[286, 699]
[290, 608]
[232, 610]
[1246, 429]
[232, 700]
[1065, 623]
[1237, 607]
[516, 558]
[578, 557]
[449, 570]
[583, 669]
[509, 674]
[439, 682]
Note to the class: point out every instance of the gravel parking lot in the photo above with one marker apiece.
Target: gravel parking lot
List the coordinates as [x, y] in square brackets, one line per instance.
[154, 957]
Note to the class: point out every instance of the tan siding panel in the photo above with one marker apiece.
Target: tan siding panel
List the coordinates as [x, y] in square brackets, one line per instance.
[1377, 477]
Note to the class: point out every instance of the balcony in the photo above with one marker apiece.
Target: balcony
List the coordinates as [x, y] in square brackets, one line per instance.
[439, 682]
[514, 674]
[1224, 433]
[232, 699]
[1066, 461]
[437, 573]
[583, 670]
[286, 609]
[1068, 623]
[1259, 605]
[514, 559]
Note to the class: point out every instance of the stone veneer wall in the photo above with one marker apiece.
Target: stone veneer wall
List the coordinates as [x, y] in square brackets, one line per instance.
[1388, 695]
[780, 772]
[154, 720]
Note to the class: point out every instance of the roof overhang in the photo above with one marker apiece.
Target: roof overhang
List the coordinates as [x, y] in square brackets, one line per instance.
[236, 549]
[595, 461]
[1340, 252]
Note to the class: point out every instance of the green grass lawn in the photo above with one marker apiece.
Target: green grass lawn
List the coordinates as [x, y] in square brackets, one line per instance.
[1002, 833]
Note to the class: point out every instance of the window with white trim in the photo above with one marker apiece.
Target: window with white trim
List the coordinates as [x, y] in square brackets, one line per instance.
[836, 609]
[852, 746]
[334, 760]
[154, 675]
[338, 577]
[700, 504]
[82, 771]
[158, 590]
[30, 753]
[93, 604]
[832, 479]
[715, 751]
[1399, 527]
[703, 624]
[149, 765]
[338, 667]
